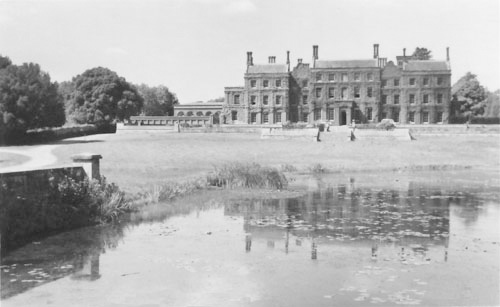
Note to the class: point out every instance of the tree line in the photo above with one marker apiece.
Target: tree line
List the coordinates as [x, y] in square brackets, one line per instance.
[99, 96]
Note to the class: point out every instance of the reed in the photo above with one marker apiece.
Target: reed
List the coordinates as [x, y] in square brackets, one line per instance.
[247, 175]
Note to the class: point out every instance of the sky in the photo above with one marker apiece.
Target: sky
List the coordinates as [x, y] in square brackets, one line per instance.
[197, 47]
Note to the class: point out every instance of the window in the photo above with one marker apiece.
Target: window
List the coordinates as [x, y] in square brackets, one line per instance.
[253, 99]
[305, 117]
[265, 83]
[384, 99]
[317, 114]
[426, 81]
[304, 99]
[236, 99]
[318, 77]
[278, 83]
[396, 99]
[356, 92]
[253, 118]
[265, 100]
[330, 114]
[356, 76]
[278, 99]
[265, 118]
[412, 98]
[304, 83]
[396, 82]
[369, 113]
[439, 81]
[412, 81]
[344, 93]
[318, 92]
[395, 116]
[331, 77]
[384, 82]
[331, 93]
[234, 115]
[344, 77]
[439, 117]
[440, 98]
[253, 83]
[369, 76]
[426, 98]
[425, 117]
[369, 92]
[277, 117]
[411, 117]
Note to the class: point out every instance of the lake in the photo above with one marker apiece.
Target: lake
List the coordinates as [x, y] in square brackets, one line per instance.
[425, 238]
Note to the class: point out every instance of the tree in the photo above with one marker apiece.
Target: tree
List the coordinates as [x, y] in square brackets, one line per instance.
[99, 96]
[422, 54]
[4, 62]
[28, 100]
[492, 105]
[158, 100]
[468, 96]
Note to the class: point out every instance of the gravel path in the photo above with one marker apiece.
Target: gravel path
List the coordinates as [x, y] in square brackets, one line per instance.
[39, 156]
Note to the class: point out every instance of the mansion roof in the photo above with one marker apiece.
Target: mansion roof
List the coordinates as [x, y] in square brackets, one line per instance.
[426, 65]
[347, 64]
[267, 69]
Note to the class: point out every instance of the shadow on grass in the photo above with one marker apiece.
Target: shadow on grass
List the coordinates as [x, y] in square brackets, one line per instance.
[70, 142]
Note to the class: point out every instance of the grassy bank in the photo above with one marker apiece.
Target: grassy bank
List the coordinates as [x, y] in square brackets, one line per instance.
[138, 161]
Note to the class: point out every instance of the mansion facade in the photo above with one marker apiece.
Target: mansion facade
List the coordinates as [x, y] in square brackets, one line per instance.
[339, 91]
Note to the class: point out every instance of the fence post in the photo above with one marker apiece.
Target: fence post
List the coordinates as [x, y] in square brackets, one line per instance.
[90, 164]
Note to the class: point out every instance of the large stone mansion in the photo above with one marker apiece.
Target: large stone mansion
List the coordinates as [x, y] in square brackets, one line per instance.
[368, 90]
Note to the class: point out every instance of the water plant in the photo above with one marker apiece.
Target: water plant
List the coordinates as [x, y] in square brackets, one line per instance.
[288, 168]
[166, 192]
[247, 175]
[318, 168]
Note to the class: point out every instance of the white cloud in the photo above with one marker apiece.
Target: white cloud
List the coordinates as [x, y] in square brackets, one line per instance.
[229, 6]
[115, 51]
[239, 6]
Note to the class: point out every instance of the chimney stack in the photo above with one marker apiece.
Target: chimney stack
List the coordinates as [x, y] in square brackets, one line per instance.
[375, 51]
[299, 61]
[288, 59]
[315, 52]
[249, 58]
[448, 54]
[404, 52]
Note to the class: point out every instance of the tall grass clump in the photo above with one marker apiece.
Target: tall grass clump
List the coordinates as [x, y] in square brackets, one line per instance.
[167, 192]
[247, 175]
[96, 200]
[318, 168]
[288, 168]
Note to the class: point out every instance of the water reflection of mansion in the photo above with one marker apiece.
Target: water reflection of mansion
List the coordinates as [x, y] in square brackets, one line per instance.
[343, 212]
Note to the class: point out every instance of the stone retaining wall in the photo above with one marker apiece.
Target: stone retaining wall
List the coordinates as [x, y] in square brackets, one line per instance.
[28, 200]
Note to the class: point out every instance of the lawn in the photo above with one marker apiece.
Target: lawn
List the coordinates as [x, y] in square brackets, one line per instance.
[140, 160]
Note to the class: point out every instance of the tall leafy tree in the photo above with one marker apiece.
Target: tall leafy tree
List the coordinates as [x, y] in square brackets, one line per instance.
[158, 100]
[492, 105]
[28, 99]
[468, 96]
[4, 62]
[422, 54]
[101, 97]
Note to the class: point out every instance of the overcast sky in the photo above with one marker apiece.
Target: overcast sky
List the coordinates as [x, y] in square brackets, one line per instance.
[196, 47]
